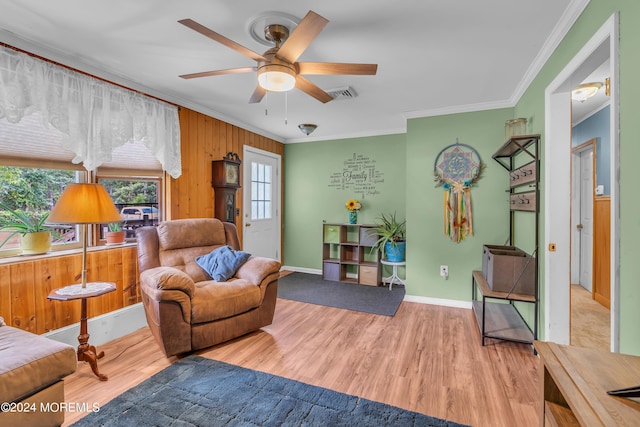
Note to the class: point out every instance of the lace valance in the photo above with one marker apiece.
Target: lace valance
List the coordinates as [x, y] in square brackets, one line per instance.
[95, 117]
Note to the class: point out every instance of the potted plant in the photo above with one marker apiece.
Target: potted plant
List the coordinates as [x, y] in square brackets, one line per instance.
[35, 237]
[115, 234]
[391, 238]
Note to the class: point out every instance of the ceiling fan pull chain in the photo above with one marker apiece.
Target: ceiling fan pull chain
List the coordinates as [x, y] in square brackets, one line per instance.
[266, 107]
[286, 107]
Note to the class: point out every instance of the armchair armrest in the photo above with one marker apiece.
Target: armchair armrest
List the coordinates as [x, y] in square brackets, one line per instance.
[256, 269]
[168, 278]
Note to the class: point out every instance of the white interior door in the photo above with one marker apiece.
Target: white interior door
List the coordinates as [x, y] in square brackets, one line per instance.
[585, 226]
[261, 205]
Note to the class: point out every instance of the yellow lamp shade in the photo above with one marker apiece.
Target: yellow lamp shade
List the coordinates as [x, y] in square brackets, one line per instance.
[84, 204]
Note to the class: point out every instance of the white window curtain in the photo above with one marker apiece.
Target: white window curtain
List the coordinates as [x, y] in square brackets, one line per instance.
[95, 117]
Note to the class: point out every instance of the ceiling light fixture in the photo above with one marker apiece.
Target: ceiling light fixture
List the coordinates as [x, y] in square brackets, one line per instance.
[277, 77]
[585, 91]
[307, 128]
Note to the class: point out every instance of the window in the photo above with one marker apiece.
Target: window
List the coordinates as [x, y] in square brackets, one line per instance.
[32, 192]
[260, 191]
[137, 200]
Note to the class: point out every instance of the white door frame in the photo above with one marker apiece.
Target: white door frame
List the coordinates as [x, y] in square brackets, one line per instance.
[558, 182]
[246, 208]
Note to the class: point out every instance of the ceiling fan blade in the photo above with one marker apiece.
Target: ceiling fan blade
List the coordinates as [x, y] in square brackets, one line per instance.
[310, 89]
[306, 31]
[219, 72]
[258, 94]
[337, 68]
[221, 39]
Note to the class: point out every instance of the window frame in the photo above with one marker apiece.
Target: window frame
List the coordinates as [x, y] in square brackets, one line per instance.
[81, 176]
[130, 175]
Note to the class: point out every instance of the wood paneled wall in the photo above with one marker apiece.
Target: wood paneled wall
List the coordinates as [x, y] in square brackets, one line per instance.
[602, 250]
[25, 283]
[204, 139]
[24, 286]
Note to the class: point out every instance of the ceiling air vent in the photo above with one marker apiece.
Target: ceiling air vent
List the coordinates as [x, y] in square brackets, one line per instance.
[342, 93]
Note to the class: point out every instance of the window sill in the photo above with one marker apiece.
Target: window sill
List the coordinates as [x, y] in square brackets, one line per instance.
[60, 253]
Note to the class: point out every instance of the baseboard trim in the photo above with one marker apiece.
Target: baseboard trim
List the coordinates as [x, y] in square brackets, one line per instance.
[438, 301]
[409, 298]
[301, 269]
[105, 327]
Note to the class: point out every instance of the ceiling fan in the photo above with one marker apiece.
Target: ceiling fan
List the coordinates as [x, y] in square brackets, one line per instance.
[277, 68]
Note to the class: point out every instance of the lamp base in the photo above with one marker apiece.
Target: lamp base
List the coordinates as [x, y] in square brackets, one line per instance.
[86, 352]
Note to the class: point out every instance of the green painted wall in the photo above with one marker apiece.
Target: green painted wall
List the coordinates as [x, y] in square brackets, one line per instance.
[427, 245]
[310, 200]
[407, 161]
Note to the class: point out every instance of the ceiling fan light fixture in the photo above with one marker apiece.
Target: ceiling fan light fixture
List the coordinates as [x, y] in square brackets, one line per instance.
[307, 128]
[585, 91]
[276, 77]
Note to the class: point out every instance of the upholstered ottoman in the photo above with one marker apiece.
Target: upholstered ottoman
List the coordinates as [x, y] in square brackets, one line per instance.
[31, 372]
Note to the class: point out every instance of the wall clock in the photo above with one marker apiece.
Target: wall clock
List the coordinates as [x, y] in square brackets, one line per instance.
[226, 172]
[226, 181]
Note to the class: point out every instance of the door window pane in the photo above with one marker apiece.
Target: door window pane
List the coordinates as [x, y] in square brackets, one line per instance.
[260, 191]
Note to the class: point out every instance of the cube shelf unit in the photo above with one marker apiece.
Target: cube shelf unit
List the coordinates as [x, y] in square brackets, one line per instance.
[496, 312]
[347, 254]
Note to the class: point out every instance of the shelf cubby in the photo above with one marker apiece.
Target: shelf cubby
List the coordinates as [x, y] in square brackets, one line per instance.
[347, 255]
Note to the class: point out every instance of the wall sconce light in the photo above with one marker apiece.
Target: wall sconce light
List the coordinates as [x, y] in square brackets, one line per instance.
[585, 91]
[307, 128]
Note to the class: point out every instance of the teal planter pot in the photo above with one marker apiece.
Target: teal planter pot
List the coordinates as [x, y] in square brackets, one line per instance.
[395, 253]
[353, 217]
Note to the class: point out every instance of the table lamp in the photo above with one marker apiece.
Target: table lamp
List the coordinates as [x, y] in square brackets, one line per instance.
[84, 204]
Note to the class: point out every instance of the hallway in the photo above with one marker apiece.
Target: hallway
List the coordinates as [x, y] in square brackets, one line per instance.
[590, 321]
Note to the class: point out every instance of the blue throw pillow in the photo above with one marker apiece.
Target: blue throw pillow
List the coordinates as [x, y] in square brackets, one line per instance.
[223, 262]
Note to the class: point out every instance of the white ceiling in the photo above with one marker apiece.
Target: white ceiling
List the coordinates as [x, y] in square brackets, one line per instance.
[434, 57]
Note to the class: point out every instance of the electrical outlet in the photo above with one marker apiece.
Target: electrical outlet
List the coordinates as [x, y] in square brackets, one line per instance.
[444, 271]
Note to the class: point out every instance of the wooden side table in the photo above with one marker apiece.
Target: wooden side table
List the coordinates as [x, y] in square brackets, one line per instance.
[394, 277]
[574, 382]
[86, 352]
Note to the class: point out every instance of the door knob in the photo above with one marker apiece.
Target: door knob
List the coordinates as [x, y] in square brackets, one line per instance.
[247, 224]
[579, 227]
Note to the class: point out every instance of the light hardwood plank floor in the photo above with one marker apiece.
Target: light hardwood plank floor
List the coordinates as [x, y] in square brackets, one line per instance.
[590, 321]
[426, 359]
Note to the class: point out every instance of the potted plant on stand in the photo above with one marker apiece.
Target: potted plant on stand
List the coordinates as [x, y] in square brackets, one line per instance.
[116, 234]
[35, 237]
[391, 238]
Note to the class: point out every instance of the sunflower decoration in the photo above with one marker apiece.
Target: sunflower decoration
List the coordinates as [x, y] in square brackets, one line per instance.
[354, 205]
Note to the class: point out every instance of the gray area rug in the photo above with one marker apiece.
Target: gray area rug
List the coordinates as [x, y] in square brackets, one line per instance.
[196, 391]
[313, 289]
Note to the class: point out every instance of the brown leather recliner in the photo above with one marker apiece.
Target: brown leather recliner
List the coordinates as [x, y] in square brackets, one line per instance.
[185, 308]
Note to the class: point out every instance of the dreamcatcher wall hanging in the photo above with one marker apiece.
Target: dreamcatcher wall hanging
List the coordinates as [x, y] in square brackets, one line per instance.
[456, 168]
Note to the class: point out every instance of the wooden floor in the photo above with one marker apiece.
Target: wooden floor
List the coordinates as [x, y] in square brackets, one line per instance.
[427, 359]
[590, 321]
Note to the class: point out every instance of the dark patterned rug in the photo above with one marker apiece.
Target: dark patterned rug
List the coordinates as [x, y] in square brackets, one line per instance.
[313, 289]
[196, 391]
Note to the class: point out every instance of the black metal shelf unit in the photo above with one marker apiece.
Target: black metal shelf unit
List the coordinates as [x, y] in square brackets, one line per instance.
[497, 315]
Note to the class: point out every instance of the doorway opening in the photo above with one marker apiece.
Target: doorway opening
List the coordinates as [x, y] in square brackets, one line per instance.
[590, 248]
[601, 47]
